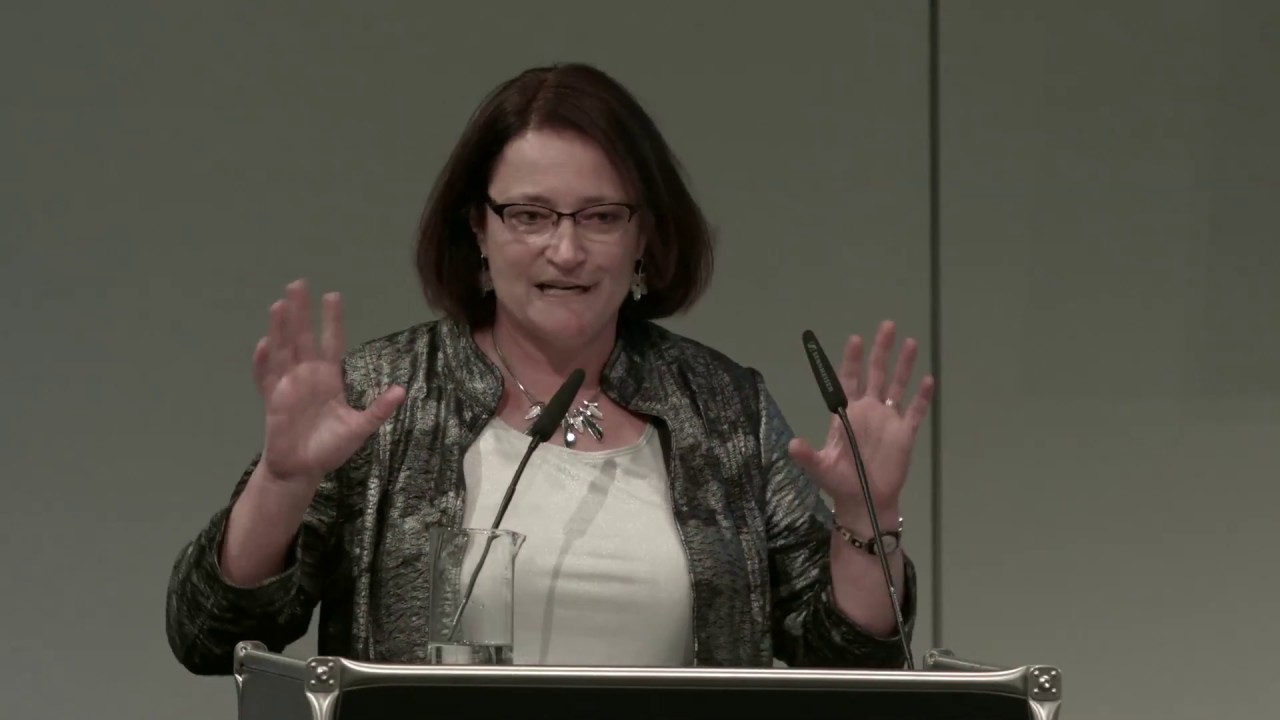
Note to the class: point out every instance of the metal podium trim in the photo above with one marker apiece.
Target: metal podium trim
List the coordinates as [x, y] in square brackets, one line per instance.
[323, 677]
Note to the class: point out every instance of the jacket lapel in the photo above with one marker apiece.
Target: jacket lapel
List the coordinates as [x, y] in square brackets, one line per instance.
[642, 379]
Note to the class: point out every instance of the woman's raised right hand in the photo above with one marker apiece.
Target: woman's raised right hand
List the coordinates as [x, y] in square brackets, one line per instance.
[311, 429]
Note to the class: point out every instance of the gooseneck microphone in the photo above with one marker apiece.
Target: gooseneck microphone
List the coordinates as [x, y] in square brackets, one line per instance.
[543, 427]
[834, 396]
[540, 431]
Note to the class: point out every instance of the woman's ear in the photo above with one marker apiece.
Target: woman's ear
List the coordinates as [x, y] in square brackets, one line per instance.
[476, 218]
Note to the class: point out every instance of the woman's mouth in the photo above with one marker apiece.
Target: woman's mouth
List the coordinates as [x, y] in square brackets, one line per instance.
[561, 289]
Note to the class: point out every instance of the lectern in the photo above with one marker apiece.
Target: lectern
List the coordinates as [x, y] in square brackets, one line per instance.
[271, 686]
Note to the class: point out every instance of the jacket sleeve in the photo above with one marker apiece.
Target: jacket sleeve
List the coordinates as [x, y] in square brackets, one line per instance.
[206, 616]
[809, 629]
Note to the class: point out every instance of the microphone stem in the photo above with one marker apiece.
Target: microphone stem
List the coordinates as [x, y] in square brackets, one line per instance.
[875, 530]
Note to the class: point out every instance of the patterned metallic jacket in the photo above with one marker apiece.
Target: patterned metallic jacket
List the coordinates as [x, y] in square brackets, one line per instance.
[755, 529]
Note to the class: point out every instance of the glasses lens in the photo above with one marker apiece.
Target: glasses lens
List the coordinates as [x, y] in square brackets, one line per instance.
[599, 220]
[528, 219]
[604, 219]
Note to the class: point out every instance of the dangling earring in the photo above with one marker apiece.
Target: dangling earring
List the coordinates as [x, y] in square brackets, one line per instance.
[486, 280]
[638, 286]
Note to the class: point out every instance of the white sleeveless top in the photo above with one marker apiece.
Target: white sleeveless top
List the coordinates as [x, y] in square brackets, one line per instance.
[602, 577]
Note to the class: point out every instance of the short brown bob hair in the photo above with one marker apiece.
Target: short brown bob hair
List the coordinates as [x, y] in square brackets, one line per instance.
[574, 97]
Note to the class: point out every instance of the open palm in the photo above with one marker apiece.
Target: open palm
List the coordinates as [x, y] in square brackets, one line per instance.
[311, 429]
[885, 430]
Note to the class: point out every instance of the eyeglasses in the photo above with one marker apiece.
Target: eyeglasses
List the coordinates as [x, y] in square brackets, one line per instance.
[603, 221]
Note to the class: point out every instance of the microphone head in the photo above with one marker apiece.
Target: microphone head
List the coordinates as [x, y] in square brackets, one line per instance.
[832, 392]
[556, 408]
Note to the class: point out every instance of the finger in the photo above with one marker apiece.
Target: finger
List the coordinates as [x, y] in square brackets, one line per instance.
[304, 340]
[332, 340]
[383, 407]
[902, 375]
[278, 344]
[261, 364]
[809, 461]
[879, 361]
[804, 456]
[851, 367]
[920, 404]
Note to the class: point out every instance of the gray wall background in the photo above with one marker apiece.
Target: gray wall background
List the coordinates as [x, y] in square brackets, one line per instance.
[1109, 332]
[1108, 425]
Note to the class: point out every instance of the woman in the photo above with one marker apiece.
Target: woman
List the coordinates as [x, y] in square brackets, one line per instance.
[687, 530]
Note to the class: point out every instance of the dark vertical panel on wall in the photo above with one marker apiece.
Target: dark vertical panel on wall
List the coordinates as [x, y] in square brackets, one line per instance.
[935, 324]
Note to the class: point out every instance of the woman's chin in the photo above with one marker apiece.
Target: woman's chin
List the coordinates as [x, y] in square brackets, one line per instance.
[563, 325]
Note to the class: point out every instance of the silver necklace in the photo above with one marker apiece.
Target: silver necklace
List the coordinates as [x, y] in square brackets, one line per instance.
[584, 418]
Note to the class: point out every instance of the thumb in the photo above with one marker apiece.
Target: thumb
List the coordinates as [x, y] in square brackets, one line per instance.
[381, 409]
[803, 454]
[812, 463]
[261, 366]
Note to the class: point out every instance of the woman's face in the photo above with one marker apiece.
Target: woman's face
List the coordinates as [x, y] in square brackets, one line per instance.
[558, 279]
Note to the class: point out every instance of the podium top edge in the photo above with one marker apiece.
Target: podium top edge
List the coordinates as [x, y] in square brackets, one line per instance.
[351, 674]
[361, 674]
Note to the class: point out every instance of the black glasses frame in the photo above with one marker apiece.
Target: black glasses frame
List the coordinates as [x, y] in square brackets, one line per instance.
[500, 208]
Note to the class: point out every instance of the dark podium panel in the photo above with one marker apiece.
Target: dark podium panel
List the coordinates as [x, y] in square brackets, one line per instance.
[273, 687]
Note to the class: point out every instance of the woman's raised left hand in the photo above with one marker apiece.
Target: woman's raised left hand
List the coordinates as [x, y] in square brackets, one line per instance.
[885, 425]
